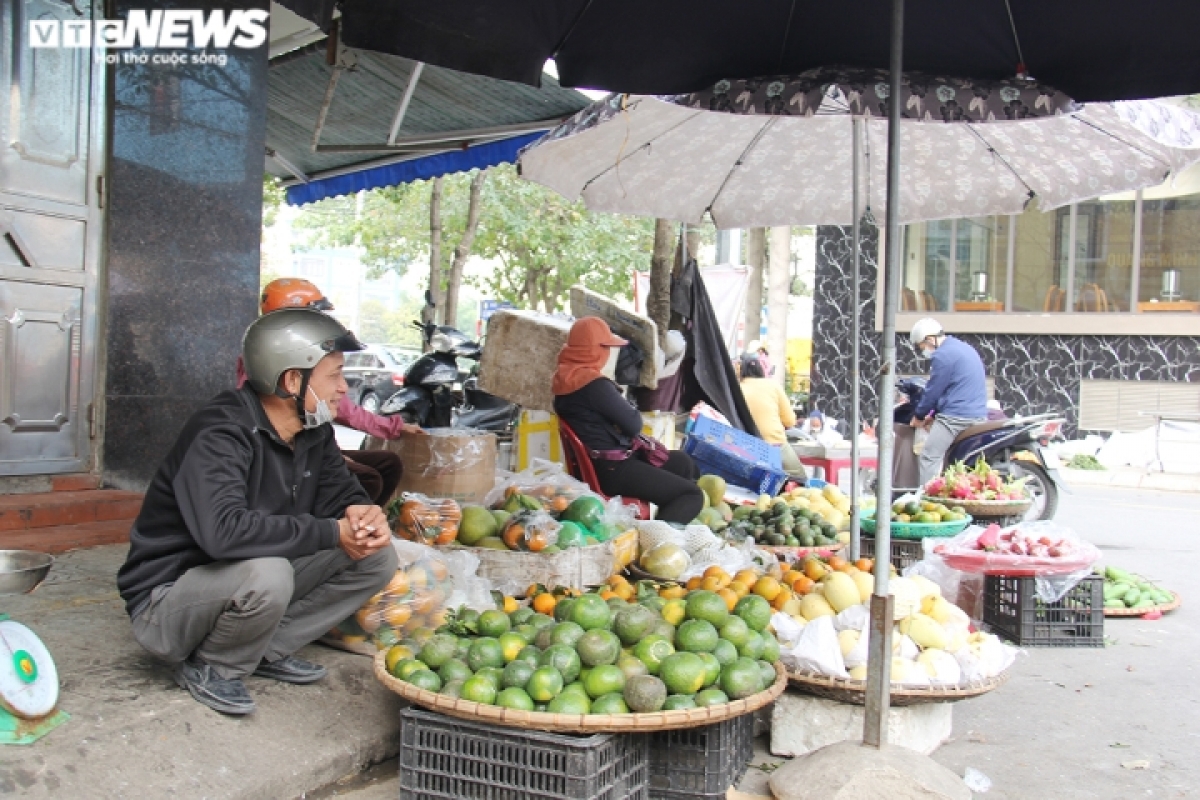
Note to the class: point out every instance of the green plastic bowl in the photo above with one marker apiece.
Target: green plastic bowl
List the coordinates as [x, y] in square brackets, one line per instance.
[918, 530]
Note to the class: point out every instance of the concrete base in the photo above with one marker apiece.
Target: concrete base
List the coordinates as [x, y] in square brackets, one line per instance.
[801, 723]
[853, 771]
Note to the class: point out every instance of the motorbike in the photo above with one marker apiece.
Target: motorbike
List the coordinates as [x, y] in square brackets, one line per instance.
[435, 394]
[1017, 447]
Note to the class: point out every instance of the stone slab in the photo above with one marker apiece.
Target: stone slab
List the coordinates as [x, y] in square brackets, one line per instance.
[853, 771]
[639, 329]
[520, 355]
[802, 723]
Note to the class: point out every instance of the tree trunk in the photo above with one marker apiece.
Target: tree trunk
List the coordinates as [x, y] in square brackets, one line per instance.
[658, 298]
[462, 252]
[756, 259]
[777, 305]
[429, 314]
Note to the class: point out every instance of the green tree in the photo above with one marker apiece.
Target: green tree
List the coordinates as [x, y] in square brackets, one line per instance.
[378, 323]
[545, 244]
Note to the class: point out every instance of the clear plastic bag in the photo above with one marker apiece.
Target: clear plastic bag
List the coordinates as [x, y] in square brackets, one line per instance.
[531, 530]
[544, 481]
[1028, 549]
[428, 520]
[816, 650]
[428, 582]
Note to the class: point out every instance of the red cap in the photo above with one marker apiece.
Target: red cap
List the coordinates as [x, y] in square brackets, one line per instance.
[593, 332]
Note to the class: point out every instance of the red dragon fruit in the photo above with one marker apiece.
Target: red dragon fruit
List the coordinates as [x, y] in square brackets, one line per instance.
[989, 539]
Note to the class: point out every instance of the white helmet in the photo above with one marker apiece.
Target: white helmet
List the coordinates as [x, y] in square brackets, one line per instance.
[923, 329]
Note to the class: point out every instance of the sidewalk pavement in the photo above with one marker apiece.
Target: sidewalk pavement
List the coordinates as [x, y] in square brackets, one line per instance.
[1134, 478]
[134, 734]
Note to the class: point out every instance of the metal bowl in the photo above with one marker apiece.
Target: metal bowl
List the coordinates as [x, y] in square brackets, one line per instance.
[22, 570]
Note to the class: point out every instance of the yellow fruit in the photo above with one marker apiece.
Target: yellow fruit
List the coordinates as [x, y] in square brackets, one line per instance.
[789, 576]
[841, 591]
[766, 588]
[815, 568]
[746, 576]
[674, 610]
[510, 604]
[716, 572]
[802, 585]
[859, 673]
[694, 583]
[729, 597]
[792, 606]
[672, 592]
[924, 630]
[711, 584]
[397, 614]
[865, 582]
[369, 619]
[781, 598]
[624, 591]
[813, 606]
[847, 639]
[738, 588]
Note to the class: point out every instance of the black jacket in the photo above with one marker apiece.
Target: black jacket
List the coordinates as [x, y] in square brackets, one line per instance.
[600, 415]
[230, 490]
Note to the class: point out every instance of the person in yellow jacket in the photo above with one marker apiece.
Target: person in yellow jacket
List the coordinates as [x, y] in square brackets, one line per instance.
[772, 412]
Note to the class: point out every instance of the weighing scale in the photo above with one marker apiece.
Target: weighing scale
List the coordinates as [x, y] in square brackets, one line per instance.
[28, 677]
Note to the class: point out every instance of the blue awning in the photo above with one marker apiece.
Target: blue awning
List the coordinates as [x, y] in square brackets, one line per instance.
[418, 169]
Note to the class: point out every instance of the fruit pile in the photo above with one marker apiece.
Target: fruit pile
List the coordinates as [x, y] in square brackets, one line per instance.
[1014, 542]
[593, 655]
[536, 524]
[926, 511]
[779, 522]
[1126, 590]
[980, 482]
[812, 580]
[414, 599]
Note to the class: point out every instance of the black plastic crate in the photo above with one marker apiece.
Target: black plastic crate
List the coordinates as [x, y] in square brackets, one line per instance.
[1012, 611]
[700, 762]
[904, 551]
[454, 759]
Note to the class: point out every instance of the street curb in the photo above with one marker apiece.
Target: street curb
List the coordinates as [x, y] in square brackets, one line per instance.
[1133, 478]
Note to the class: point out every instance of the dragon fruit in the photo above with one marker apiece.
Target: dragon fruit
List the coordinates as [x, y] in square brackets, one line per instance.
[989, 539]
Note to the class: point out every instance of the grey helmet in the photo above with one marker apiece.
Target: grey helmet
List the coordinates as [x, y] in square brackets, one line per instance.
[923, 328]
[291, 338]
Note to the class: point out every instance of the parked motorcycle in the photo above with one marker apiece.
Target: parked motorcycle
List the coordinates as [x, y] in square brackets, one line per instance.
[434, 396]
[1017, 447]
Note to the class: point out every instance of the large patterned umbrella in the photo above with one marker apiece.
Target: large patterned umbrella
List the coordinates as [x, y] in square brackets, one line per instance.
[779, 150]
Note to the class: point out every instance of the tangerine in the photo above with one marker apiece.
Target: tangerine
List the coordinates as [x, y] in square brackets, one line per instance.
[711, 584]
[544, 603]
[865, 564]
[746, 576]
[694, 583]
[803, 585]
[738, 588]
[767, 588]
[397, 614]
[729, 596]
[398, 584]
[672, 592]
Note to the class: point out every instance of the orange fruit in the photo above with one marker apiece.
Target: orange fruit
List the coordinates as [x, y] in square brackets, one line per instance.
[694, 583]
[746, 576]
[617, 580]
[711, 584]
[417, 577]
[729, 596]
[397, 614]
[784, 595]
[738, 588]
[815, 568]
[865, 564]
[437, 618]
[544, 603]
[836, 562]
[510, 604]
[398, 585]
[767, 588]
[438, 570]
[624, 591]
[789, 575]
[672, 592]
[607, 594]
[803, 585]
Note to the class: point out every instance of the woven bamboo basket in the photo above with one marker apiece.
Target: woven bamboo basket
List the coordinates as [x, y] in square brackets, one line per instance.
[580, 723]
[993, 508]
[1137, 612]
[845, 690]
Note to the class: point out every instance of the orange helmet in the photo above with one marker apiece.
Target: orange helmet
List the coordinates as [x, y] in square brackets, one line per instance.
[293, 293]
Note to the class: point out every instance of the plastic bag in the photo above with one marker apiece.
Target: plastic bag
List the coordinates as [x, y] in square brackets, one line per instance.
[667, 560]
[428, 582]
[531, 530]
[653, 532]
[1027, 549]
[816, 650]
[545, 481]
[428, 520]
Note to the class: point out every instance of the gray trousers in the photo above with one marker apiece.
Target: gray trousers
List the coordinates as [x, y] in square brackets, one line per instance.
[234, 614]
[941, 436]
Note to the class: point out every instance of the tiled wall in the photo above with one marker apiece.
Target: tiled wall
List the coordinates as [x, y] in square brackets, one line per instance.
[1033, 374]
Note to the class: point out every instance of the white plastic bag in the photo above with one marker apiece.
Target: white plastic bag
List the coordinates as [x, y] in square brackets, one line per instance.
[817, 650]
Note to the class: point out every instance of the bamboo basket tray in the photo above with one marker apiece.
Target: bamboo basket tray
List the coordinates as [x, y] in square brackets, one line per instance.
[845, 690]
[991, 508]
[580, 723]
[1137, 612]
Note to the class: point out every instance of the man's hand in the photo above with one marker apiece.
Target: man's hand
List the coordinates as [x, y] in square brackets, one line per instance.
[916, 423]
[415, 429]
[363, 531]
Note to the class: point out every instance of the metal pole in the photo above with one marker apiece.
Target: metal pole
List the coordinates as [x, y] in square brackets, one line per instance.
[854, 424]
[398, 120]
[879, 663]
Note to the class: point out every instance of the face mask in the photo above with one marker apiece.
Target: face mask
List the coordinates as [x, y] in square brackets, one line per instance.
[315, 419]
[924, 352]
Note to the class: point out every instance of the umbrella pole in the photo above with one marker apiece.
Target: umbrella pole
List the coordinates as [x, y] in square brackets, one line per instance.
[879, 663]
[855, 332]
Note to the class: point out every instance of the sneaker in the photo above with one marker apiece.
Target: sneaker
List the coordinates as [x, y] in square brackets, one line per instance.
[209, 688]
[290, 669]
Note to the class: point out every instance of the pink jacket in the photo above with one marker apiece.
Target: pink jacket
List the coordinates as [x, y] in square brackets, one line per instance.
[352, 415]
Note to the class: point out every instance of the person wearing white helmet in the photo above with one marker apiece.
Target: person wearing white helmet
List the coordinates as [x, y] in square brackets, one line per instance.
[254, 539]
[955, 397]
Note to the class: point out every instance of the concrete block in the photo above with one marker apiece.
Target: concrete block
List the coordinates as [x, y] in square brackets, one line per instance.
[853, 771]
[520, 356]
[802, 723]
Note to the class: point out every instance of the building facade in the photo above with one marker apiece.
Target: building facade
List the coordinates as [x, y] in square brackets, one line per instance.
[1092, 310]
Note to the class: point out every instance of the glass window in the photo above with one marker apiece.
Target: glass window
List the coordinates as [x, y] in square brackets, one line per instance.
[1040, 261]
[353, 360]
[1103, 255]
[927, 258]
[1170, 266]
[981, 263]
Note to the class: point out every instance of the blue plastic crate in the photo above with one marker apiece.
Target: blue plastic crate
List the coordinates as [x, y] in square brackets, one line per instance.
[739, 443]
[738, 471]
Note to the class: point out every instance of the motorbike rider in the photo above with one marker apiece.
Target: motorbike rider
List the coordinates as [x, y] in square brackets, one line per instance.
[254, 539]
[955, 397]
[379, 471]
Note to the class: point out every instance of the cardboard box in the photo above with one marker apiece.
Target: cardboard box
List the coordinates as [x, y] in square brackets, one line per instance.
[447, 462]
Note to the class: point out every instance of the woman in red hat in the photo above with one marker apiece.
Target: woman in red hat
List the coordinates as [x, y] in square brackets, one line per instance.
[594, 407]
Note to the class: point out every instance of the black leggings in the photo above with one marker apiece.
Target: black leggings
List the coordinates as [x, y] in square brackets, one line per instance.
[672, 487]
